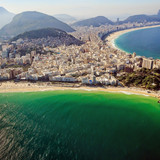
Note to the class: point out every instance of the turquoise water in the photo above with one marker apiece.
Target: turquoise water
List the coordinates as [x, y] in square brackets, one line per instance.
[145, 42]
[80, 125]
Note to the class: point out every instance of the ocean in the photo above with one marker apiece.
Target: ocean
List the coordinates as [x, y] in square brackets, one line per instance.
[79, 125]
[145, 42]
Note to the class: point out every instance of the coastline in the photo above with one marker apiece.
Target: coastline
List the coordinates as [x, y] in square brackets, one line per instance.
[112, 37]
[11, 87]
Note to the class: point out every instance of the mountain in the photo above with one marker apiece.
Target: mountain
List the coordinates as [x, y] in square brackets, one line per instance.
[141, 19]
[32, 20]
[95, 22]
[5, 17]
[65, 18]
[55, 36]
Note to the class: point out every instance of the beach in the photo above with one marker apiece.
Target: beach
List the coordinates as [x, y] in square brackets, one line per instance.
[111, 38]
[12, 87]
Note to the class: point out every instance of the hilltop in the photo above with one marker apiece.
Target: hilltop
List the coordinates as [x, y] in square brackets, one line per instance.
[57, 37]
[95, 22]
[4, 11]
[32, 20]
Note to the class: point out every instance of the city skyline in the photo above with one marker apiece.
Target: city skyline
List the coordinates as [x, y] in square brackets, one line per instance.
[84, 9]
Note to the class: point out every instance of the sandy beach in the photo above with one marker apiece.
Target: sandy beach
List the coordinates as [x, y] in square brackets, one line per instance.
[115, 35]
[11, 87]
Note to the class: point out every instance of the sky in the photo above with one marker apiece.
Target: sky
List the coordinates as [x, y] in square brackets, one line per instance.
[84, 8]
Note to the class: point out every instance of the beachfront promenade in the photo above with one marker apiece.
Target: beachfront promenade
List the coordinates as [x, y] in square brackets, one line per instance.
[11, 87]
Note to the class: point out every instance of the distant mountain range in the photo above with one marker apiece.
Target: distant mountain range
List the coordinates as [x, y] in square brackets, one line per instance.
[5, 17]
[100, 20]
[32, 20]
[95, 22]
[59, 37]
[65, 18]
[142, 19]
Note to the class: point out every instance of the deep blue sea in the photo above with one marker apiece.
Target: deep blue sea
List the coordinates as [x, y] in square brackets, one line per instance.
[145, 42]
[79, 125]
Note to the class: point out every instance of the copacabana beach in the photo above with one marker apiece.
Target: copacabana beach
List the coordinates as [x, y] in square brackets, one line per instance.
[7, 87]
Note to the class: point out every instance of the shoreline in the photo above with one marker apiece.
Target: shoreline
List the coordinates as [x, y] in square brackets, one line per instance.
[11, 87]
[113, 36]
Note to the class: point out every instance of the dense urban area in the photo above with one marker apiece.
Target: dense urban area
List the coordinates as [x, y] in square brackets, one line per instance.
[93, 62]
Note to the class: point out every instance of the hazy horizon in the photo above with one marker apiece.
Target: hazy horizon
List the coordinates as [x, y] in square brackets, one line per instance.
[84, 8]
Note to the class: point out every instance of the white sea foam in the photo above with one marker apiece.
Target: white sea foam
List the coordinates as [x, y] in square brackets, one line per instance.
[89, 90]
[129, 93]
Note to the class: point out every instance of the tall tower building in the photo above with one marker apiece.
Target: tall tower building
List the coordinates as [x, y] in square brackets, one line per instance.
[92, 70]
[147, 63]
[134, 55]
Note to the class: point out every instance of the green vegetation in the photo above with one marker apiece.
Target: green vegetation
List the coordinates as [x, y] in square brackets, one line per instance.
[42, 33]
[144, 78]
